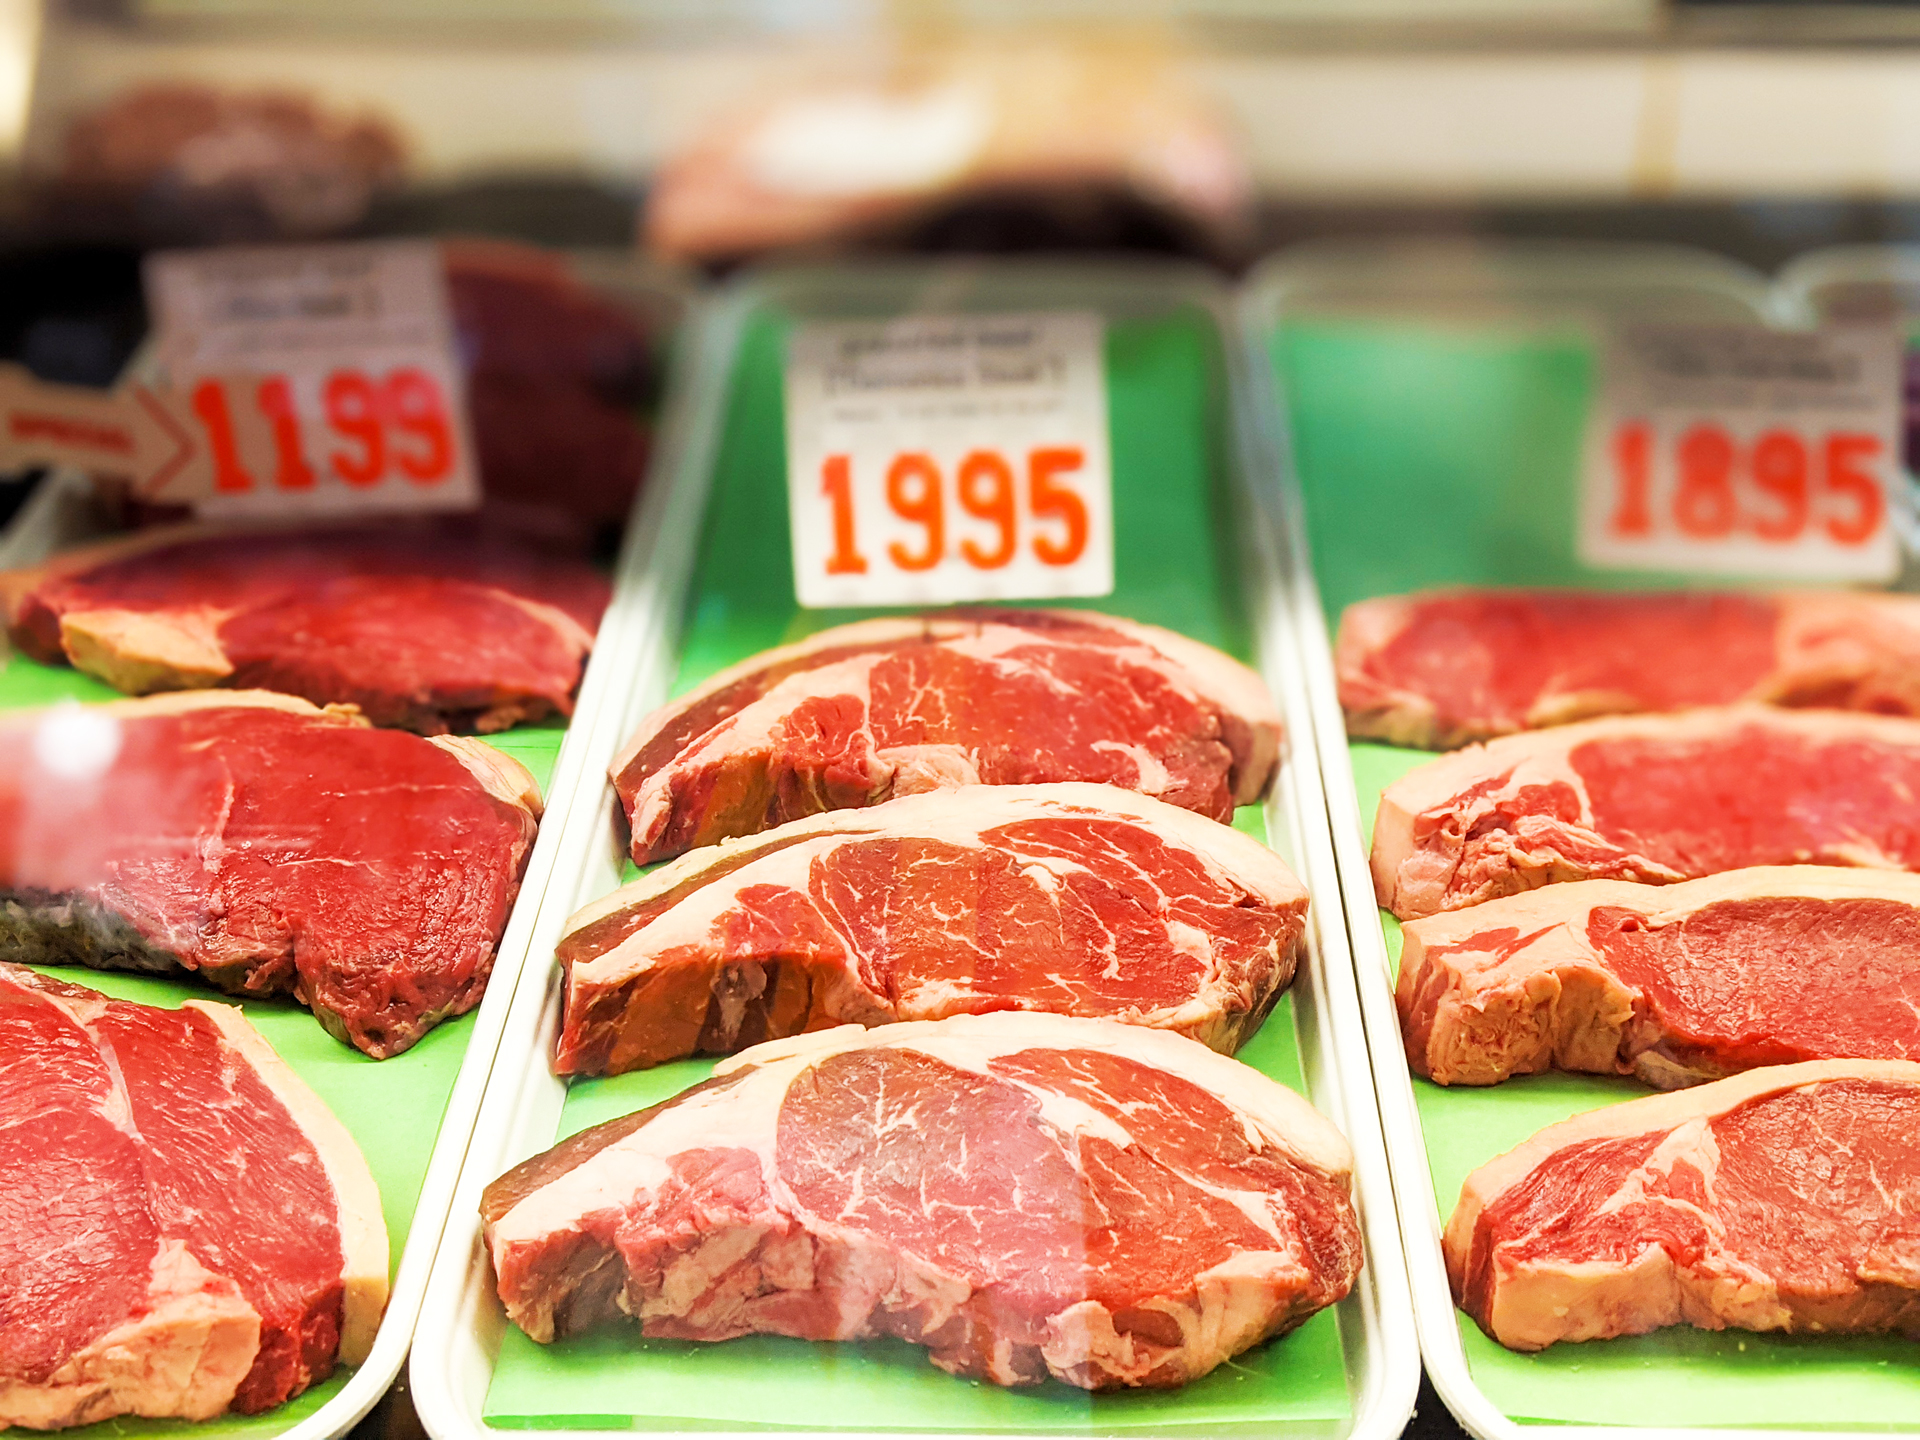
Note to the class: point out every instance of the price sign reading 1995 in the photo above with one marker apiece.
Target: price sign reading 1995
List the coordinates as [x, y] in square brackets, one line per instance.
[1745, 451]
[949, 457]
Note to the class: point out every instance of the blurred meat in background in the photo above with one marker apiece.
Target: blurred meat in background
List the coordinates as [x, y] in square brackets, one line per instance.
[985, 149]
[199, 164]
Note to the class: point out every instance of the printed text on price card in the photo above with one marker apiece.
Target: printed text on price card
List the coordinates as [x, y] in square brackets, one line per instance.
[948, 458]
[1746, 452]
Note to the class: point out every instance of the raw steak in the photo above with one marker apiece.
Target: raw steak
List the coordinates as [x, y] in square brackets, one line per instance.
[1782, 1199]
[268, 845]
[1448, 667]
[1023, 1194]
[1675, 984]
[423, 626]
[1078, 899]
[1653, 798]
[858, 714]
[184, 1228]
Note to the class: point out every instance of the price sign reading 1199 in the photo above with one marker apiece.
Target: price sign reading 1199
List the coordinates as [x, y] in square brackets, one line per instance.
[936, 458]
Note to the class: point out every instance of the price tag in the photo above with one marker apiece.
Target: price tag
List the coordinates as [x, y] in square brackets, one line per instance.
[1745, 451]
[936, 458]
[320, 378]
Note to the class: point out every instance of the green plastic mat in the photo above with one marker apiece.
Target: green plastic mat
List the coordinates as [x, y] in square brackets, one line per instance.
[1165, 381]
[393, 1108]
[1432, 455]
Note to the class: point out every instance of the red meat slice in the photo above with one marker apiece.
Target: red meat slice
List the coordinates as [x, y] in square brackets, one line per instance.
[184, 1228]
[425, 627]
[267, 845]
[1445, 668]
[1026, 1195]
[1075, 899]
[883, 708]
[1782, 1199]
[1674, 984]
[1653, 798]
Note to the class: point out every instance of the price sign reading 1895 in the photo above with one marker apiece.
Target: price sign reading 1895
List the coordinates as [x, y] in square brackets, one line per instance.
[949, 457]
[1745, 451]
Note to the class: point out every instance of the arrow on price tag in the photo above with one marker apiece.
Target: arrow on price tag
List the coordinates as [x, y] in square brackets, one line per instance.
[136, 433]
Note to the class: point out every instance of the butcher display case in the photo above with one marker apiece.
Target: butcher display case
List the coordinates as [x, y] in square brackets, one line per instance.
[411, 1114]
[706, 581]
[1438, 405]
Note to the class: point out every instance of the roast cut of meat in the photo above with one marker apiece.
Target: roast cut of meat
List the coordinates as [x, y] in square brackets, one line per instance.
[1675, 983]
[1072, 898]
[881, 708]
[428, 626]
[267, 845]
[1025, 1195]
[1448, 667]
[184, 1227]
[1651, 798]
[1787, 1198]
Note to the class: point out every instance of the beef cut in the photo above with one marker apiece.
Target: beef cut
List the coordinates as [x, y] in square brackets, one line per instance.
[1786, 1198]
[864, 712]
[1025, 1195]
[1651, 798]
[267, 845]
[1072, 898]
[1448, 667]
[428, 626]
[184, 1227]
[1675, 984]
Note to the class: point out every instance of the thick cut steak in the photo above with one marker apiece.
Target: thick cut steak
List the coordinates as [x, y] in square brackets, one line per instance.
[1025, 1195]
[426, 627]
[1651, 798]
[883, 708]
[1444, 668]
[184, 1227]
[1674, 983]
[1782, 1199]
[268, 845]
[1077, 899]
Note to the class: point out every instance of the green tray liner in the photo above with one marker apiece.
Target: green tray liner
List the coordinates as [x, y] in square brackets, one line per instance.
[393, 1108]
[1470, 441]
[1172, 567]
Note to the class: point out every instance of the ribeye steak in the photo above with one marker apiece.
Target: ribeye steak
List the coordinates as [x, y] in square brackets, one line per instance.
[1652, 798]
[184, 1227]
[1448, 667]
[270, 846]
[881, 708]
[1672, 983]
[423, 626]
[1077, 899]
[1026, 1195]
[1786, 1198]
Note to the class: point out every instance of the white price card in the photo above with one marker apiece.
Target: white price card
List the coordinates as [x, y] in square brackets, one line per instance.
[321, 378]
[1741, 450]
[936, 458]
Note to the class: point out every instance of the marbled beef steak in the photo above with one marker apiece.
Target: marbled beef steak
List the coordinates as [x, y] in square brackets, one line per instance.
[429, 626]
[184, 1227]
[1448, 667]
[1786, 1198]
[1025, 1195]
[1650, 798]
[1673, 983]
[1078, 899]
[267, 845]
[883, 708]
